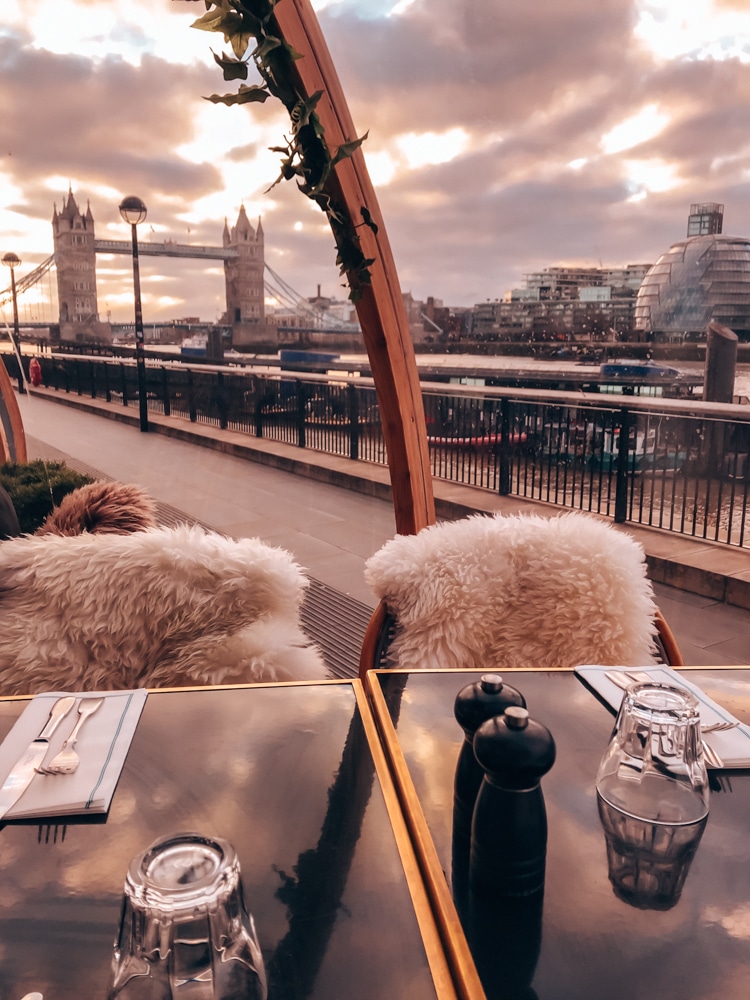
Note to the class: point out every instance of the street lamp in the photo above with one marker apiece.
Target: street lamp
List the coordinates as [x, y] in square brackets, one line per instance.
[12, 261]
[133, 211]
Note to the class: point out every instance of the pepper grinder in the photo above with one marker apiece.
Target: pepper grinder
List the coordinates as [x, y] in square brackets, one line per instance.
[475, 703]
[509, 828]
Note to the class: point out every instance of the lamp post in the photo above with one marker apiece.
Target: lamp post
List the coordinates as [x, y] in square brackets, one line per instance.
[12, 261]
[133, 211]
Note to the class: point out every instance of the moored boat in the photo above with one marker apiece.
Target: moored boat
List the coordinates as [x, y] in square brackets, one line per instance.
[195, 346]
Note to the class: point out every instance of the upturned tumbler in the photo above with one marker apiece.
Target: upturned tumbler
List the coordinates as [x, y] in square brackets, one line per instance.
[184, 929]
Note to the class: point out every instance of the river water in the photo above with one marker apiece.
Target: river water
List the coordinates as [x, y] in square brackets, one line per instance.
[472, 362]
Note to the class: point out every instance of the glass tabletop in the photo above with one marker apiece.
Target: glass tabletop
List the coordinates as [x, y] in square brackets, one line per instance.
[287, 775]
[583, 939]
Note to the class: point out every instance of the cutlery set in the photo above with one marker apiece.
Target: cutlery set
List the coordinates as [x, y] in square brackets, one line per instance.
[624, 678]
[32, 760]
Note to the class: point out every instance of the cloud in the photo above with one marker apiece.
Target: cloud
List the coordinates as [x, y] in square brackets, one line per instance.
[475, 112]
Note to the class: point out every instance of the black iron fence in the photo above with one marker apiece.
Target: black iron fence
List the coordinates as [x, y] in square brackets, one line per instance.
[680, 466]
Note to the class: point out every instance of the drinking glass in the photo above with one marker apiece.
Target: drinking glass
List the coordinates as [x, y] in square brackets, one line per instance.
[648, 862]
[653, 768]
[184, 928]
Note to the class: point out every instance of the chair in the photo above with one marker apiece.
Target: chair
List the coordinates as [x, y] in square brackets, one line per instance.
[521, 591]
[166, 607]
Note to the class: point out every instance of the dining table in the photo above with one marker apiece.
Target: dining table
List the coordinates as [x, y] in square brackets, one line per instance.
[581, 935]
[294, 777]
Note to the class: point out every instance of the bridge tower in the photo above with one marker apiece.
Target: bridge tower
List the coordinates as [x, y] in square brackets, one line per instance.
[75, 260]
[244, 281]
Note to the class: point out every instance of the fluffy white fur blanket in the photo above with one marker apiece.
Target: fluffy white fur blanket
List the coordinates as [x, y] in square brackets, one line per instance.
[157, 608]
[522, 591]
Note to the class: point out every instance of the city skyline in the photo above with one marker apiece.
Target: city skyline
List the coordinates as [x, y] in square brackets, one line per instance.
[503, 138]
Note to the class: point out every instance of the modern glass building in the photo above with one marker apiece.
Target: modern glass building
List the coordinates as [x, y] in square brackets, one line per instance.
[698, 280]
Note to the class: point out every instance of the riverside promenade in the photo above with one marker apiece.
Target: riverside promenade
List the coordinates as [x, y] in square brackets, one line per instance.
[332, 513]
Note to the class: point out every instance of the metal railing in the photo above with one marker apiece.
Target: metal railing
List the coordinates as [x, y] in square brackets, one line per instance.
[683, 466]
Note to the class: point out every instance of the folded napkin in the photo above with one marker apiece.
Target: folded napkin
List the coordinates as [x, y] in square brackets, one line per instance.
[102, 745]
[732, 745]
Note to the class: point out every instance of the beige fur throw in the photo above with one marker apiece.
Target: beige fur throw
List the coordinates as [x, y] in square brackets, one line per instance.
[157, 608]
[521, 591]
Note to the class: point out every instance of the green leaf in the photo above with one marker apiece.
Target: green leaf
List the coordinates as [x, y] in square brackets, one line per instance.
[239, 42]
[245, 95]
[268, 44]
[292, 53]
[233, 69]
[303, 109]
[347, 148]
[317, 126]
[222, 19]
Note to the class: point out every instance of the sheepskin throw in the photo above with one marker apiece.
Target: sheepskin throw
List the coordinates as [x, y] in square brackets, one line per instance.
[521, 591]
[158, 608]
[101, 507]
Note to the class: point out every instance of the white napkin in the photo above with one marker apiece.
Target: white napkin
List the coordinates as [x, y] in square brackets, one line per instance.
[103, 744]
[732, 745]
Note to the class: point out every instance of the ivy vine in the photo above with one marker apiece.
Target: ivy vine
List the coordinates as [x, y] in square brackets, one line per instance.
[250, 29]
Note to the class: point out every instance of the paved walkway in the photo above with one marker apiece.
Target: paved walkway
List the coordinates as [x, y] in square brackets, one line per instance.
[332, 513]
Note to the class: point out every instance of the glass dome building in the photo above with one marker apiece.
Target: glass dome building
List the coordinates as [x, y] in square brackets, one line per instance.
[698, 280]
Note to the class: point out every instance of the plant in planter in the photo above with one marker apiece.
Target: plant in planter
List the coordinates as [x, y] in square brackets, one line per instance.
[36, 487]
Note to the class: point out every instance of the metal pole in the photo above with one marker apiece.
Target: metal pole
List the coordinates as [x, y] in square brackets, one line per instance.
[16, 337]
[140, 360]
[623, 469]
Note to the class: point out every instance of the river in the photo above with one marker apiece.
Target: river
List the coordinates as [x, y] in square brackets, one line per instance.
[509, 363]
[472, 362]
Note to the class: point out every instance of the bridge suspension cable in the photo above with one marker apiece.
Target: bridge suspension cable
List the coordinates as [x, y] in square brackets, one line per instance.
[283, 292]
[27, 281]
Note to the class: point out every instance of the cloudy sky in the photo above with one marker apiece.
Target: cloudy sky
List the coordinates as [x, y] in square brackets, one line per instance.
[504, 136]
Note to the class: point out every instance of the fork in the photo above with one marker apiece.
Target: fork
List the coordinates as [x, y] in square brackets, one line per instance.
[67, 760]
[719, 727]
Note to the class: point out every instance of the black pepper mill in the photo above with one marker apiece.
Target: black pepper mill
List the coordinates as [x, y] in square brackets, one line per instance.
[508, 853]
[475, 703]
[509, 829]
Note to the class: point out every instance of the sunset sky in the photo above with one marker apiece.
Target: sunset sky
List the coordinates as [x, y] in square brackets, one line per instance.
[504, 136]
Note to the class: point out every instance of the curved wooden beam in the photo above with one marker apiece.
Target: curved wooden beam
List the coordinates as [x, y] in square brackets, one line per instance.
[668, 641]
[12, 437]
[381, 311]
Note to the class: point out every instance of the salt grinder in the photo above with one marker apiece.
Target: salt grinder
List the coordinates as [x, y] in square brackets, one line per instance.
[475, 703]
[509, 828]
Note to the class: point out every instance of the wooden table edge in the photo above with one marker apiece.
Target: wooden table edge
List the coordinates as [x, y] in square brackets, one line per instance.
[467, 983]
[429, 925]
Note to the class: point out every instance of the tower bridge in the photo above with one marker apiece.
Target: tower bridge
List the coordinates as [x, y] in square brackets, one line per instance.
[247, 277]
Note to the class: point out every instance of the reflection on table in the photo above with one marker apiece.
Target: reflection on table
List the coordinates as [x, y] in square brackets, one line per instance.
[585, 935]
[288, 775]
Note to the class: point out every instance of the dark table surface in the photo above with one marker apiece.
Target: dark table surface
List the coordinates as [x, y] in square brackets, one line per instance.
[286, 775]
[593, 944]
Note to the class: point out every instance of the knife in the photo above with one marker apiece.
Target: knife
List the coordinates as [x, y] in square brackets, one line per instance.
[25, 767]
